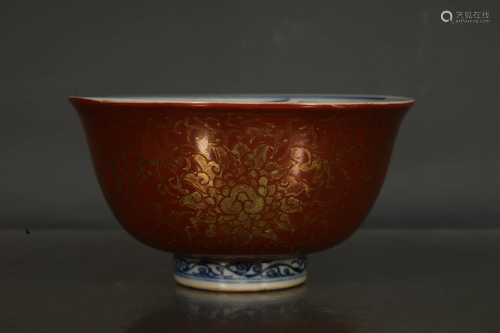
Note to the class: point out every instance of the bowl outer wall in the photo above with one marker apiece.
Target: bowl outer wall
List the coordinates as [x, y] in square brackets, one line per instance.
[172, 173]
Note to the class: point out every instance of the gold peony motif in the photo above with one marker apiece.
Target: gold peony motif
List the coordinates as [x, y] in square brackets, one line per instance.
[239, 177]
[243, 193]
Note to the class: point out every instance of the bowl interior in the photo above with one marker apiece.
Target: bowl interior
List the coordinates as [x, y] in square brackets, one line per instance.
[312, 99]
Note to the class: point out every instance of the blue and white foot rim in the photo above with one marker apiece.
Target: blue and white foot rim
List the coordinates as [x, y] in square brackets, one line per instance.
[240, 275]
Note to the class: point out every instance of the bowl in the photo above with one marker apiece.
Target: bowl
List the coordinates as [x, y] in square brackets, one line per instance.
[241, 187]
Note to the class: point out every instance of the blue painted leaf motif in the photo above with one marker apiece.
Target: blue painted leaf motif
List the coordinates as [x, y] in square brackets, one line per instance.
[239, 270]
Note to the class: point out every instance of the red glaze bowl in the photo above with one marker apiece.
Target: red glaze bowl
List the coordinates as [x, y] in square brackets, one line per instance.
[241, 177]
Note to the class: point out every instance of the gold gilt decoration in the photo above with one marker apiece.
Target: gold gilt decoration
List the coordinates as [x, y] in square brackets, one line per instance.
[252, 198]
[239, 177]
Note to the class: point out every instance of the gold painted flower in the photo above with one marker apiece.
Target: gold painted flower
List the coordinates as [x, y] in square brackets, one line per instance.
[243, 193]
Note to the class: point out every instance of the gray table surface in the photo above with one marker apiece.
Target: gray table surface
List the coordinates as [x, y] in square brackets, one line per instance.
[377, 281]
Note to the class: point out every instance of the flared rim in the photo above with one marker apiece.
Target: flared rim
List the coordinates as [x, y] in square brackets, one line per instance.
[290, 99]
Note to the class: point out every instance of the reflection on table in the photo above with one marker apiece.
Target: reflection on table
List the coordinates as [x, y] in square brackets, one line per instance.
[198, 310]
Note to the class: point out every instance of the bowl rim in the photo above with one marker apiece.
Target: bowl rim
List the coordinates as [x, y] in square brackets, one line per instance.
[251, 99]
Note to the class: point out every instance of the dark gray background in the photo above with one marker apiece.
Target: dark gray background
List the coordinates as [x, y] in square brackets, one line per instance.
[445, 167]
